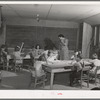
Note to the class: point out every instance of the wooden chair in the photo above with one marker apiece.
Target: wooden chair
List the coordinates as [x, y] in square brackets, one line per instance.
[18, 63]
[97, 76]
[37, 79]
[27, 63]
[84, 75]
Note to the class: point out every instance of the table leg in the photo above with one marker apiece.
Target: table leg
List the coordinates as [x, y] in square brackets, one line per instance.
[51, 82]
[7, 65]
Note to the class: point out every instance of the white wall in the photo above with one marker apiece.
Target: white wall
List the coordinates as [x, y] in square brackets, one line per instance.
[87, 34]
[45, 23]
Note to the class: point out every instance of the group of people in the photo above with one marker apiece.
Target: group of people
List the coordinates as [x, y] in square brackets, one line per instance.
[37, 52]
[78, 65]
[40, 56]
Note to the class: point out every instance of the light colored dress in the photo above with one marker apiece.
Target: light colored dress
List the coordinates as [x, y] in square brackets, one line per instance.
[17, 57]
[64, 53]
[38, 68]
[96, 63]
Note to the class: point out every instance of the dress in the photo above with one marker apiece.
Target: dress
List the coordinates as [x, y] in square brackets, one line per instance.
[96, 62]
[64, 53]
[17, 57]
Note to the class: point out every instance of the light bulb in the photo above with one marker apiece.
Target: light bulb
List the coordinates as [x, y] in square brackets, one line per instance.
[38, 19]
[37, 15]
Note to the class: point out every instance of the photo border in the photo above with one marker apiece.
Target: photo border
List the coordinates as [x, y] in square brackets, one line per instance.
[48, 94]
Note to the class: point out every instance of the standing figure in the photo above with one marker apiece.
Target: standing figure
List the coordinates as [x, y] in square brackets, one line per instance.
[3, 55]
[63, 49]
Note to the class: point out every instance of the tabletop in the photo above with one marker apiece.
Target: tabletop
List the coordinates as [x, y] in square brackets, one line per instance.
[62, 63]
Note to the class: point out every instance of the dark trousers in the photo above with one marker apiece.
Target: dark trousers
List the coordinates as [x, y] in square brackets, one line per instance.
[74, 75]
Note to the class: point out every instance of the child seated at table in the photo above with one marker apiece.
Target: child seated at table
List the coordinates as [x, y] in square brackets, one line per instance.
[17, 55]
[75, 55]
[76, 70]
[37, 52]
[95, 62]
[48, 57]
[52, 56]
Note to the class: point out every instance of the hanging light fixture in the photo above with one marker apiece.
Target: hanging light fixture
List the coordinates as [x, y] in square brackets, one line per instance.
[37, 17]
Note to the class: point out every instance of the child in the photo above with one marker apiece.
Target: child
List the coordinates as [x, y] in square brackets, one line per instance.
[17, 55]
[77, 67]
[75, 55]
[3, 55]
[95, 62]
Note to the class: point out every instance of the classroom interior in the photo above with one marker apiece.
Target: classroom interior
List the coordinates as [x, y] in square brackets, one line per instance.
[41, 24]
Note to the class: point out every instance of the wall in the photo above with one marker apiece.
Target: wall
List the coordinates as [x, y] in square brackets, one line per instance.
[32, 35]
[87, 34]
[45, 23]
[79, 37]
[2, 30]
[36, 32]
[2, 33]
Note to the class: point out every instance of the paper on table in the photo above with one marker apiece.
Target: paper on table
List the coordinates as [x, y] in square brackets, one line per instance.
[59, 63]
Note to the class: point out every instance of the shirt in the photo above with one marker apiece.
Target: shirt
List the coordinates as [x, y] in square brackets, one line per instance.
[96, 62]
[17, 56]
[78, 66]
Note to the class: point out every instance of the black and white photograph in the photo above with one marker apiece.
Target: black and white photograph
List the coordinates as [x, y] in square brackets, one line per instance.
[50, 46]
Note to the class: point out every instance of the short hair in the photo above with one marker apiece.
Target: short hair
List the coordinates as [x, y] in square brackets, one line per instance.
[17, 48]
[60, 35]
[94, 56]
[37, 45]
[3, 46]
[79, 56]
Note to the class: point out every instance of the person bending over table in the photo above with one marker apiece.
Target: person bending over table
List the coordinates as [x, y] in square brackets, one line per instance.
[47, 56]
[76, 70]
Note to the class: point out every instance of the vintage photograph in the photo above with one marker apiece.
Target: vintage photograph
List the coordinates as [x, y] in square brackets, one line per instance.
[50, 46]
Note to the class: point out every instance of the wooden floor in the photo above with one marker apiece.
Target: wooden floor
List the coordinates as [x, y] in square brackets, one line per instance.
[21, 80]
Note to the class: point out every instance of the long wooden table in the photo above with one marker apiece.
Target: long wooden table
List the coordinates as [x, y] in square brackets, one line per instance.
[58, 67]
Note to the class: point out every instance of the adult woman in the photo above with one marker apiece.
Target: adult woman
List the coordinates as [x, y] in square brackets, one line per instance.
[63, 49]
